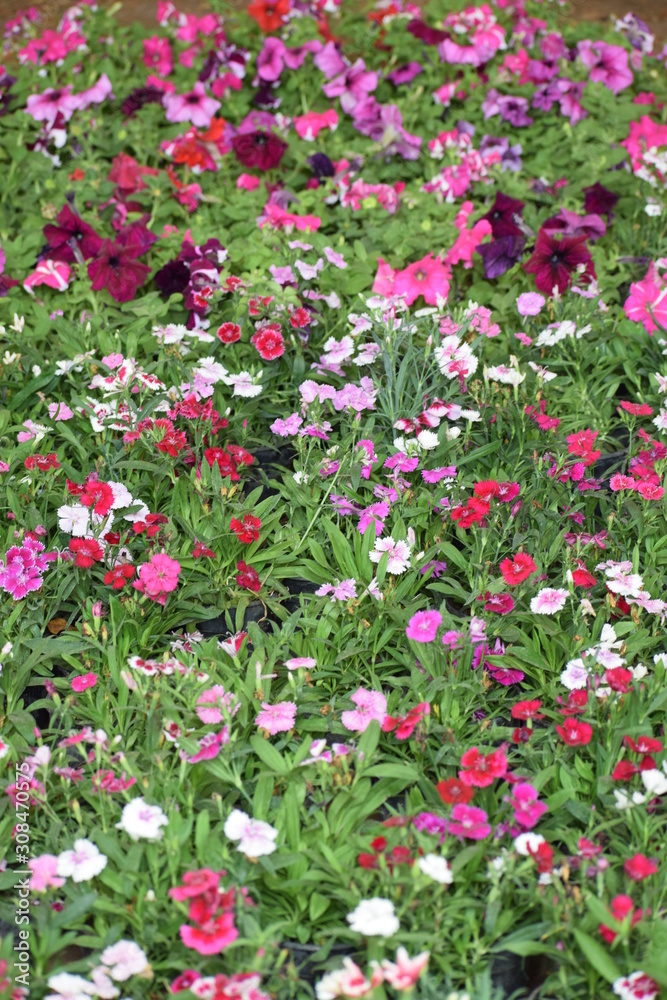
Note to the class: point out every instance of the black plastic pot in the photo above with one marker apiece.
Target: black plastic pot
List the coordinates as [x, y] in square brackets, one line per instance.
[520, 978]
[257, 611]
[302, 956]
[262, 471]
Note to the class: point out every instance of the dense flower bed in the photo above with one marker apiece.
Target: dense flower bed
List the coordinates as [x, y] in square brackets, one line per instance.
[332, 575]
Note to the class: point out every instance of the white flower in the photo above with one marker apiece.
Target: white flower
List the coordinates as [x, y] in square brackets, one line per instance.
[124, 959]
[399, 554]
[255, 837]
[527, 842]
[244, 384]
[543, 374]
[575, 675]
[210, 370]
[548, 601]
[104, 988]
[141, 821]
[654, 781]
[74, 519]
[374, 918]
[505, 375]
[427, 440]
[652, 209]
[436, 868]
[69, 987]
[82, 863]
[624, 801]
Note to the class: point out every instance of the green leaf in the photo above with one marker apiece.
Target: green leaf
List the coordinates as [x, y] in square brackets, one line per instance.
[268, 754]
[601, 961]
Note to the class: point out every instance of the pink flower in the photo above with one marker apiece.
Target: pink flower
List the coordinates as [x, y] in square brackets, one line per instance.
[83, 682]
[406, 972]
[370, 705]
[548, 601]
[211, 936]
[158, 55]
[530, 303]
[309, 126]
[46, 107]
[44, 873]
[158, 577]
[299, 662]
[427, 277]
[194, 107]
[60, 411]
[647, 302]
[221, 702]
[607, 64]
[423, 626]
[527, 809]
[469, 822]
[277, 718]
[53, 273]
[209, 746]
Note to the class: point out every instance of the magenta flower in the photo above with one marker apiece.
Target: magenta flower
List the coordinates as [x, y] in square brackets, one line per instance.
[469, 822]
[195, 107]
[607, 64]
[277, 718]
[44, 870]
[423, 626]
[46, 107]
[158, 577]
[157, 55]
[83, 682]
[527, 809]
[53, 273]
[370, 705]
[116, 268]
[214, 703]
[23, 569]
[210, 745]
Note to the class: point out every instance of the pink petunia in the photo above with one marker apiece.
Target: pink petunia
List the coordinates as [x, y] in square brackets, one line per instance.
[53, 273]
[195, 107]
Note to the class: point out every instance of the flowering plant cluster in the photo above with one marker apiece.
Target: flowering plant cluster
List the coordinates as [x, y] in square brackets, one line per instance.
[332, 524]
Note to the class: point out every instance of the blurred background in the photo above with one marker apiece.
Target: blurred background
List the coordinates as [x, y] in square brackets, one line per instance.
[654, 12]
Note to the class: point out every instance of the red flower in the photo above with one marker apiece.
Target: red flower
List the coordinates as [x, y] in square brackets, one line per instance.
[575, 733]
[619, 679]
[202, 551]
[480, 771]
[211, 936]
[119, 576]
[583, 578]
[97, 495]
[269, 14]
[260, 149]
[472, 512]
[300, 318]
[248, 578]
[487, 490]
[621, 908]
[527, 710]
[553, 262]
[404, 725]
[501, 604]
[577, 702]
[42, 462]
[517, 569]
[636, 409]
[582, 444]
[247, 530]
[195, 884]
[116, 268]
[521, 735]
[543, 857]
[639, 867]
[643, 744]
[452, 790]
[88, 552]
[625, 770]
[239, 454]
[224, 461]
[228, 333]
[269, 342]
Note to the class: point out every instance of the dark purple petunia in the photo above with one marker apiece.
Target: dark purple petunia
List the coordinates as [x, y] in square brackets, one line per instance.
[137, 237]
[554, 262]
[599, 200]
[429, 36]
[265, 97]
[260, 149]
[71, 231]
[500, 255]
[321, 165]
[502, 214]
[139, 97]
[117, 269]
[172, 278]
